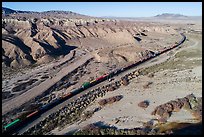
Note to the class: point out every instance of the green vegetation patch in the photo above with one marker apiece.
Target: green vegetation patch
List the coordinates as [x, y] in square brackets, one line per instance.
[181, 62]
[189, 54]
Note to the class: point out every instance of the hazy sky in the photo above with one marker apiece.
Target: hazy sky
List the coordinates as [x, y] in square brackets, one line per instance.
[119, 9]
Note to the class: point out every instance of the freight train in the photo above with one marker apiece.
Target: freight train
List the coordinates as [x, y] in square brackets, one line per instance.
[9, 128]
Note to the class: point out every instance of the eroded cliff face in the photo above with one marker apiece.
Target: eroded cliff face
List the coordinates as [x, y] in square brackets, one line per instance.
[34, 40]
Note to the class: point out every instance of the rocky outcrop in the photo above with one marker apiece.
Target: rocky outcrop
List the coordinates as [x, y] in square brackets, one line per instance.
[100, 128]
[190, 103]
[147, 84]
[143, 104]
[110, 100]
[125, 81]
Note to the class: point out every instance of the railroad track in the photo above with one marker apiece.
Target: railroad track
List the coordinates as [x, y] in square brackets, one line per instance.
[40, 115]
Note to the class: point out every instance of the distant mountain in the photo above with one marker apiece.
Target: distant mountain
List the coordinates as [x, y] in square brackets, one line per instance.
[160, 16]
[11, 11]
[53, 13]
[8, 11]
[63, 13]
[169, 15]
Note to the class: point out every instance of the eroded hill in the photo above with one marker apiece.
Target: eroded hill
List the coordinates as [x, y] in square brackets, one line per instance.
[40, 40]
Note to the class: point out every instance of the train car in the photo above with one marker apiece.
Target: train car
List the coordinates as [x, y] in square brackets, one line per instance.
[76, 91]
[56, 101]
[85, 84]
[137, 63]
[111, 75]
[130, 65]
[159, 52]
[170, 47]
[125, 67]
[22, 115]
[167, 49]
[100, 78]
[47, 106]
[93, 81]
[44, 107]
[67, 95]
[122, 69]
[162, 51]
[176, 45]
[105, 75]
[12, 124]
[143, 59]
[31, 114]
[116, 71]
